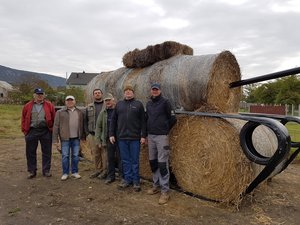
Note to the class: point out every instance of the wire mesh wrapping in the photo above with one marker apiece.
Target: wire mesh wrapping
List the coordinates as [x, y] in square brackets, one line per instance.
[187, 81]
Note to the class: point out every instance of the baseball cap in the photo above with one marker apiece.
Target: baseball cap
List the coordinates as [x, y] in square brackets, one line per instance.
[70, 97]
[155, 85]
[38, 91]
[108, 97]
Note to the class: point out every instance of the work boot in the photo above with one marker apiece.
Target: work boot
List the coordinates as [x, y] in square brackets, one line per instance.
[95, 174]
[137, 187]
[123, 185]
[164, 198]
[153, 191]
[102, 176]
[109, 181]
[47, 174]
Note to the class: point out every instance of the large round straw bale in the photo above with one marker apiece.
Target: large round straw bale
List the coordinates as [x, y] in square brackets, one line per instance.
[207, 160]
[86, 150]
[187, 81]
[152, 54]
[145, 170]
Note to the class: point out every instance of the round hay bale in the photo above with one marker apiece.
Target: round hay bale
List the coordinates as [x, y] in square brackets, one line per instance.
[86, 150]
[145, 170]
[207, 159]
[152, 54]
[187, 81]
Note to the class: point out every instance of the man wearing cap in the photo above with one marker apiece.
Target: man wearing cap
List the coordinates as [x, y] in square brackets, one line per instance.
[69, 130]
[37, 123]
[160, 119]
[129, 128]
[92, 112]
[112, 150]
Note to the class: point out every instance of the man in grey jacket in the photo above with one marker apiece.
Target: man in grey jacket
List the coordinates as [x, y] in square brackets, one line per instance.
[69, 129]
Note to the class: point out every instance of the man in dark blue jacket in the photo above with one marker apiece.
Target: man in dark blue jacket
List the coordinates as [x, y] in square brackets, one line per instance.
[129, 128]
[160, 119]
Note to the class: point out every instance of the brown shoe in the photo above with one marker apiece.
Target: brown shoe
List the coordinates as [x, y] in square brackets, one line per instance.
[153, 191]
[164, 198]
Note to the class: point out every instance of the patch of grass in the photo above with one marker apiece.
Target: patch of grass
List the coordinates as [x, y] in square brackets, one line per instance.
[10, 117]
[294, 131]
[12, 212]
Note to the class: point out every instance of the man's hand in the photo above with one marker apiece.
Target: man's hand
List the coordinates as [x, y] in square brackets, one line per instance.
[112, 139]
[143, 141]
[99, 145]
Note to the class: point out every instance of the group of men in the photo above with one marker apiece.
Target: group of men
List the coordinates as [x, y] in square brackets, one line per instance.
[114, 130]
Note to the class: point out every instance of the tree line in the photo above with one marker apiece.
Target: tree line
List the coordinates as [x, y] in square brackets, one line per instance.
[23, 92]
[281, 91]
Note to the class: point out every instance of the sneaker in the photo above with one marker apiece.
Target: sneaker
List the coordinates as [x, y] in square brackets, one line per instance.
[137, 187]
[31, 175]
[109, 181]
[123, 185]
[164, 198]
[153, 191]
[76, 175]
[95, 174]
[47, 174]
[102, 176]
[64, 177]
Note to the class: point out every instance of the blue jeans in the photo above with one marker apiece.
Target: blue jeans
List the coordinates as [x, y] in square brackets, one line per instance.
[74, 145]
[130, 157]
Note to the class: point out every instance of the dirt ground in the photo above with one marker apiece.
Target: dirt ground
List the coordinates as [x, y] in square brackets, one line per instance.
[89, 201]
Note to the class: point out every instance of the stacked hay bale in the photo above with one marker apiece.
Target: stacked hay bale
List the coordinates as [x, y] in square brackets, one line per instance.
[206, 156]
[152, 54]
[188, 81]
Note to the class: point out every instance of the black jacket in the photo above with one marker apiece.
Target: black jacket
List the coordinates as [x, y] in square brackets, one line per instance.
[128, 120]
[160, 116]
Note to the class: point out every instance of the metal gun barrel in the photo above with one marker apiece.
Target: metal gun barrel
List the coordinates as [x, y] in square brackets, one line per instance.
[269, 76]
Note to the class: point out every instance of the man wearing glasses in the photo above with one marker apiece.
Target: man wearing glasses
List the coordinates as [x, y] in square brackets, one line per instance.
[37, 124]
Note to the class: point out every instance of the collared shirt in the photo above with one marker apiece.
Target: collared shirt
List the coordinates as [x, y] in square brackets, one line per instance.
[38, 119]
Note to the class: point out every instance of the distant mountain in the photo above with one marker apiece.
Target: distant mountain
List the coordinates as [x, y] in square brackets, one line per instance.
[14, 76]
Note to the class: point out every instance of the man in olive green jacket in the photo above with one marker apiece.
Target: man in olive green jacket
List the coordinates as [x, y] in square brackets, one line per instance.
[102, 138]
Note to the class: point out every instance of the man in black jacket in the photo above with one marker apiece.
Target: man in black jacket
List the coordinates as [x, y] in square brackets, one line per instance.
[160, 119]
[129, 128]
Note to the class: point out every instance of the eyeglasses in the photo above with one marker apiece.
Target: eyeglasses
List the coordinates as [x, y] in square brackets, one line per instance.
[69, 99]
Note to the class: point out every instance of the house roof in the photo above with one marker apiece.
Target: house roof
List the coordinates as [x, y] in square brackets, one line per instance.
[5, 85]
[81, 78]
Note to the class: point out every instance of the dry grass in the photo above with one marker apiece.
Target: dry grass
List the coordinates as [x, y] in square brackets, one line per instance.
[10, 117]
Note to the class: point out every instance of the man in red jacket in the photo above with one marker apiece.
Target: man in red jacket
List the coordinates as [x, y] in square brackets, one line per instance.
[37, 123]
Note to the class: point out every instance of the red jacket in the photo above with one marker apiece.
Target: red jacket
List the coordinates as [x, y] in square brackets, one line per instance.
[26, 115]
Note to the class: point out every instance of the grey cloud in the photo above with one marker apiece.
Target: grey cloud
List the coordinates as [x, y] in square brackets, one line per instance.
[64, 36]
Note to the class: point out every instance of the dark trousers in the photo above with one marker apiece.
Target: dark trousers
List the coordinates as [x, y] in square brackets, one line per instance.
[44, 136]
[113, 158]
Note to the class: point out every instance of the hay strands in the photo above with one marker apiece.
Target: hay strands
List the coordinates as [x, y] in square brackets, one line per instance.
[278, 161]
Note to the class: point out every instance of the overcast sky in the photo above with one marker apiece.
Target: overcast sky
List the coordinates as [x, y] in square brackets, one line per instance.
[64, 36]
